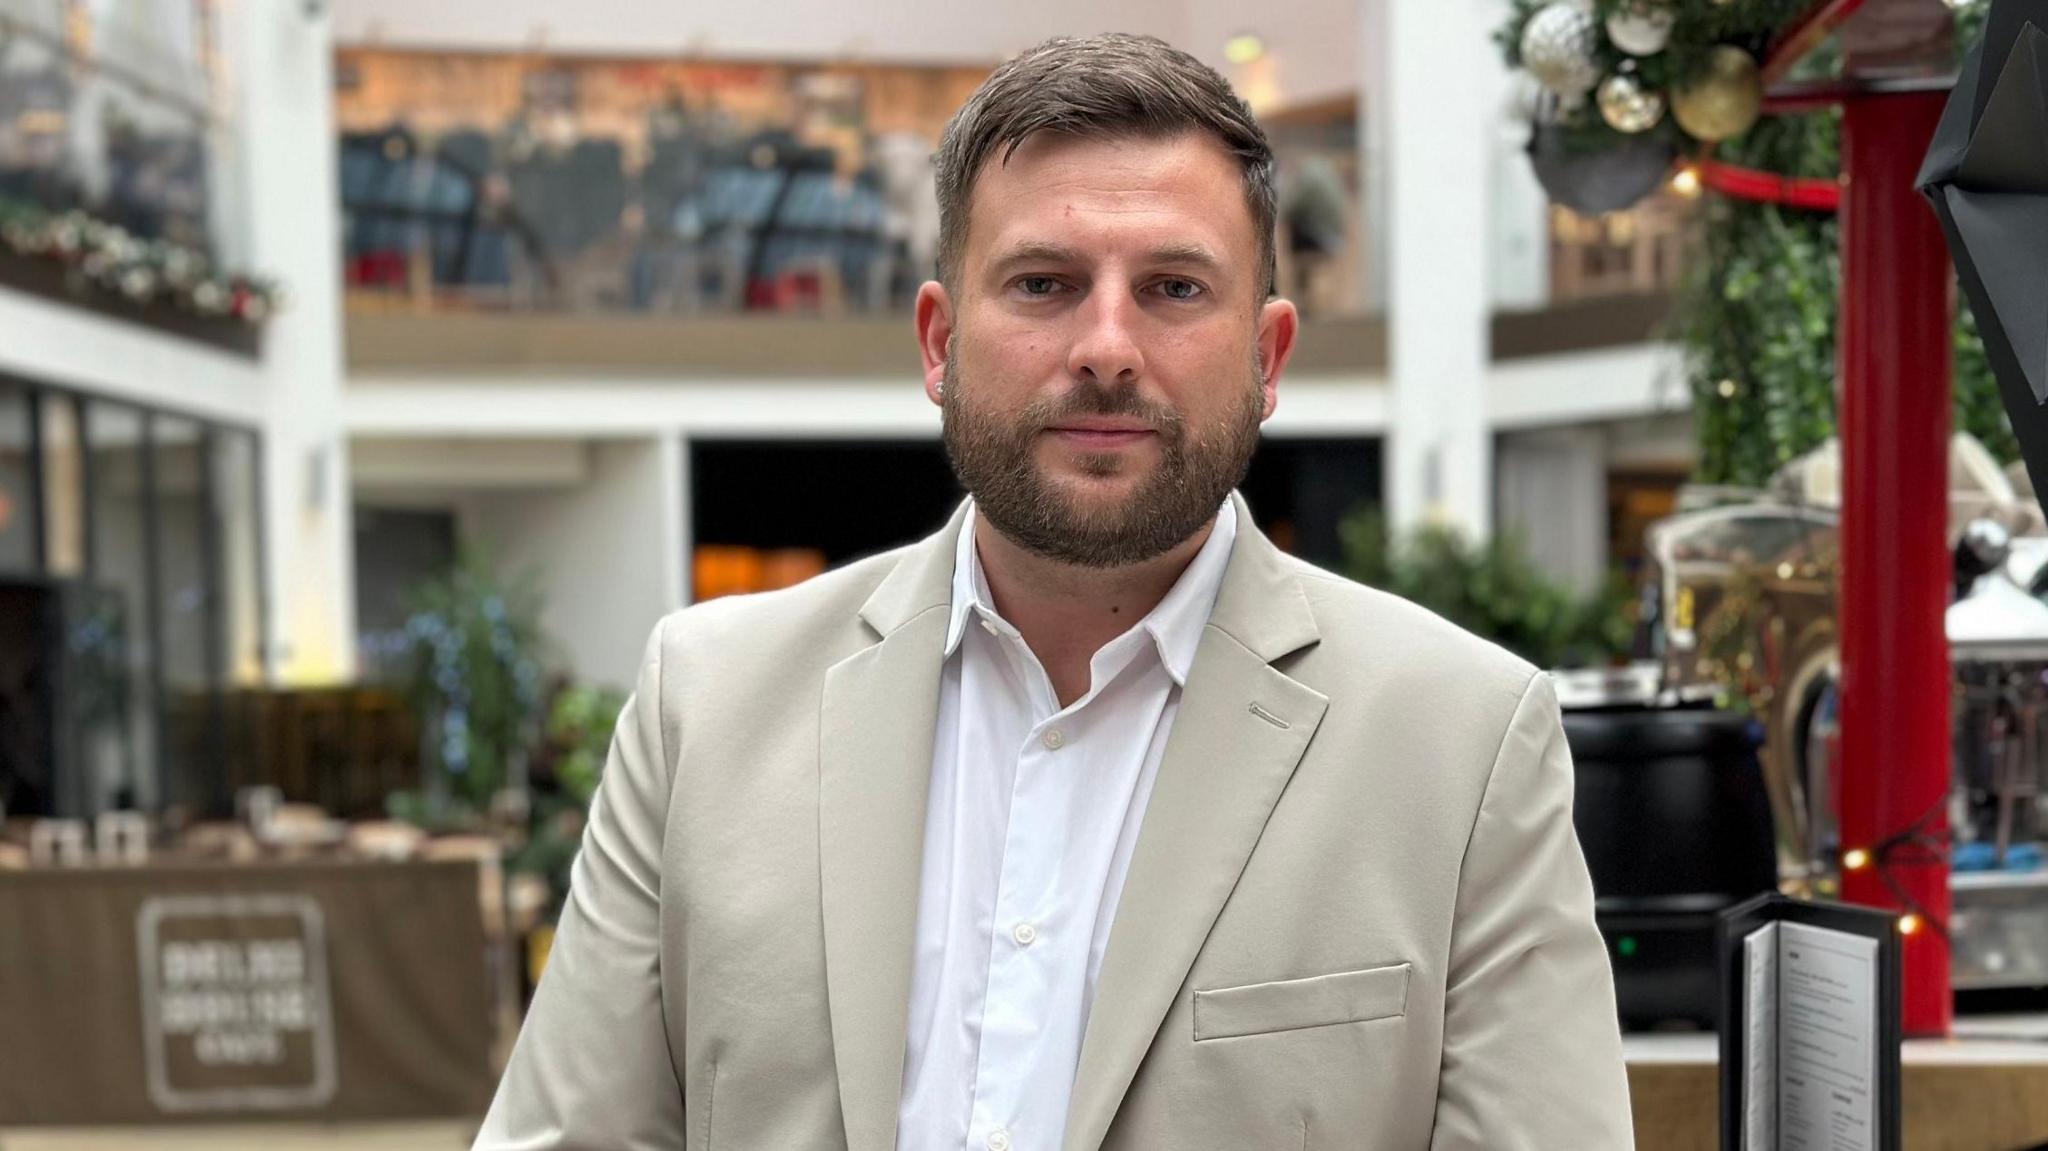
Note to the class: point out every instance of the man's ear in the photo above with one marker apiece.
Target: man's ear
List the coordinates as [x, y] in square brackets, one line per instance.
[934, 335]
[1278, 325]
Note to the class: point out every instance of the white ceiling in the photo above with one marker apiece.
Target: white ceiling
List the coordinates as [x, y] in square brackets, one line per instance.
[1312, 45]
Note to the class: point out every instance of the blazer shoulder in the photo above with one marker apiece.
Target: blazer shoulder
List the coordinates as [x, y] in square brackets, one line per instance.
[1363, 626]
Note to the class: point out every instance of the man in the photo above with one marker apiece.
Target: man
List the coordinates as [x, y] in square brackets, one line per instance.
[1092, 821]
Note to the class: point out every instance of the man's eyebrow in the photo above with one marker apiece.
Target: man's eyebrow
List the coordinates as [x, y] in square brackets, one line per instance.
[1186, 253]
[1044, 252]
[1034, 252]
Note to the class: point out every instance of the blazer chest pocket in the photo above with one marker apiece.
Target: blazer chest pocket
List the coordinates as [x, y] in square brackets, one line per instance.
[1319, 1001]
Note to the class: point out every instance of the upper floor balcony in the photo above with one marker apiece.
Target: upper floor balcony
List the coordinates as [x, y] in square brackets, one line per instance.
[509, 209]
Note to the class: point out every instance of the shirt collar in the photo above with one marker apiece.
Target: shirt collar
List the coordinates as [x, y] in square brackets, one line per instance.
[1175, 624]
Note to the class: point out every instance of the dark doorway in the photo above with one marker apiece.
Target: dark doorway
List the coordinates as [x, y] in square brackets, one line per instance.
[853, 499]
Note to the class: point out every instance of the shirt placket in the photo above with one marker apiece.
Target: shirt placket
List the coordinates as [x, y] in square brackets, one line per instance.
[1013, 1108]
[1022, 972]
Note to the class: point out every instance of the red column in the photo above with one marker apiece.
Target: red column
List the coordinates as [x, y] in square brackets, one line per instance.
[1895, 571]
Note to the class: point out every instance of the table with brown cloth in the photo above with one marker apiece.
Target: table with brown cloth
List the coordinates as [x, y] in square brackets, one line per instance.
[331, 990]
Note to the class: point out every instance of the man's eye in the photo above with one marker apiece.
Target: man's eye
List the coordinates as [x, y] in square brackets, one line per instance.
[1180, 289]
[1038, 285]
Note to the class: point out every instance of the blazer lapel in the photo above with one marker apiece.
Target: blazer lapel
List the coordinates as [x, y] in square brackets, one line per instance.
[1242, 727]
[878, 712]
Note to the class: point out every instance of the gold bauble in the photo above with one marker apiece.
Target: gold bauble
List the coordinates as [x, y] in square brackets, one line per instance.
[1726, 98]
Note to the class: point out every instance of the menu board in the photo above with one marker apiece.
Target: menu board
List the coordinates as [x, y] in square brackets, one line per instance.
[1810, 1033]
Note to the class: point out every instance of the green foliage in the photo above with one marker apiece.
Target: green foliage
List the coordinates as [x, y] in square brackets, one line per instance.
[567, 767]
[1758, 315]
[471, 649]
[1758, 320]
[580, 726]
[1492, 590]
[1979, 410]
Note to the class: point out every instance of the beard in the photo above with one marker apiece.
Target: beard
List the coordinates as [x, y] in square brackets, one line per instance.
[993, 455]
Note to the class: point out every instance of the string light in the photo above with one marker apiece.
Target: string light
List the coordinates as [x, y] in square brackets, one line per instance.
[1909, 924]
[1855, 859]
[1687, 182]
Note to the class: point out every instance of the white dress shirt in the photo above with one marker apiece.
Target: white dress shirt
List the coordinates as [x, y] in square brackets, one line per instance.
[1034, 811]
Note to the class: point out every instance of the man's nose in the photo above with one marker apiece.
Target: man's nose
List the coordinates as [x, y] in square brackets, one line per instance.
[1105, 346]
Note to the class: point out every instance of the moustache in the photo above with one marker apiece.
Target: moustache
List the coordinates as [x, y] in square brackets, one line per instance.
[1089, 400]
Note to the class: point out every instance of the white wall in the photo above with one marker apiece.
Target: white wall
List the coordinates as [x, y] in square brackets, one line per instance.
[1312, 46]
[608, 554]
[1553, 497]
[59, 344]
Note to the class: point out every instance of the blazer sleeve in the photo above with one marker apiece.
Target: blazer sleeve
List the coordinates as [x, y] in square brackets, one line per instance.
[1532, 1047]
[592, 1067]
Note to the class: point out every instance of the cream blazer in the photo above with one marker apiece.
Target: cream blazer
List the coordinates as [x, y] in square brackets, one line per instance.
[1356, 917]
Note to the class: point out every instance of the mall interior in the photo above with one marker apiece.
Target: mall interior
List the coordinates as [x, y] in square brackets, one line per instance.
[375, 374]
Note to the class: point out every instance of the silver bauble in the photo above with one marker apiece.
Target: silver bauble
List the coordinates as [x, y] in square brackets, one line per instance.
[1629, 107]
[1557, 48]
[1641, 29]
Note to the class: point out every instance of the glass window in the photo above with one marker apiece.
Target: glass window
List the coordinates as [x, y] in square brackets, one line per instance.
[105, 105]
[184, 578]
[18, 513]
[116, 449]
[63, 452]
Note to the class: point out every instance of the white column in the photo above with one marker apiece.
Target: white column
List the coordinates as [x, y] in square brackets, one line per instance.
[1374, 116]
[1442, 107]
[278, 59]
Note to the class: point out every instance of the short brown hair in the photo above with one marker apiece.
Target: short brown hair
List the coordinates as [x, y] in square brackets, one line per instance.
[1098, 87]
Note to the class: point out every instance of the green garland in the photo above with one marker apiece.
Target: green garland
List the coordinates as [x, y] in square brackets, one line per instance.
[1758, 314]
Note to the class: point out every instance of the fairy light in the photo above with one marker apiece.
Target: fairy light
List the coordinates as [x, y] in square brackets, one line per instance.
[1855, 859]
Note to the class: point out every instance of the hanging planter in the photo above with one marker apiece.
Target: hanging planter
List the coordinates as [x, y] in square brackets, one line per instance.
[107, 258]
[1593, 182]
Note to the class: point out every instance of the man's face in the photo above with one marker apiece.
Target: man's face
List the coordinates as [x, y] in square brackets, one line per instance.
[1106, 352]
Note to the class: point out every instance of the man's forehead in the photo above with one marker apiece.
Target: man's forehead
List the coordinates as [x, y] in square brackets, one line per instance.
[1179, 195]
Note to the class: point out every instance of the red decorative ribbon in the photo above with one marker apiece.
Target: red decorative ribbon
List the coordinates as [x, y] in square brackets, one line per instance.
[1770, 188]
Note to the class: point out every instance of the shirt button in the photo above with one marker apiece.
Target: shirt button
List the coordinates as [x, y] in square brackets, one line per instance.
[1025, 934]
[1054, 739]
[999, 1141]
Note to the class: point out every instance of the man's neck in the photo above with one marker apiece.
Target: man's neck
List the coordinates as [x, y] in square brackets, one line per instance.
[1066, 612]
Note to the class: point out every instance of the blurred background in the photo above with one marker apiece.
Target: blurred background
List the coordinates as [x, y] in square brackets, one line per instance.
[373, 374]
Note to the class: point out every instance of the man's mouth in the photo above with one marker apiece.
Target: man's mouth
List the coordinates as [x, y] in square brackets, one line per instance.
[1100, 433]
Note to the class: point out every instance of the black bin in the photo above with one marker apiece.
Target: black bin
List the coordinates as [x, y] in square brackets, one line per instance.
[1675, 822]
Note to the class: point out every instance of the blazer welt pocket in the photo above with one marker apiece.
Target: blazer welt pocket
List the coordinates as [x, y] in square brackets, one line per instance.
[1319, 1001]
